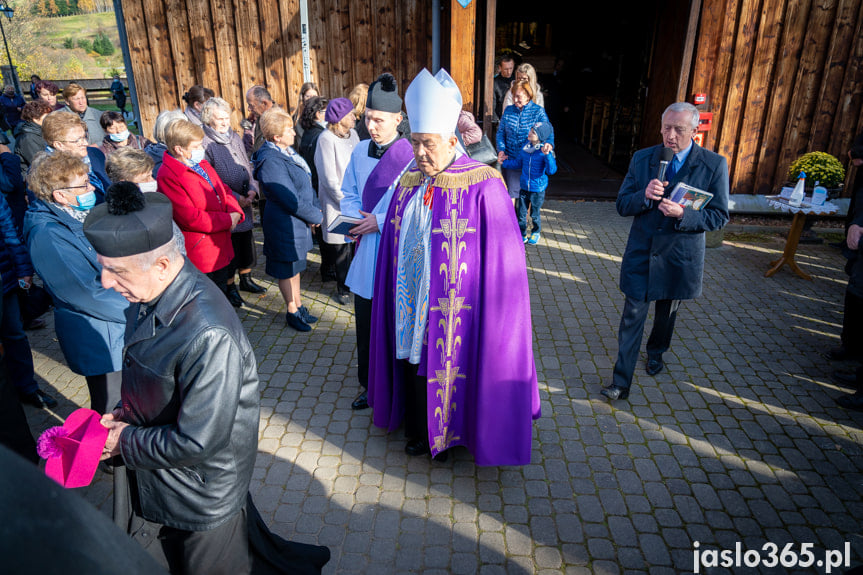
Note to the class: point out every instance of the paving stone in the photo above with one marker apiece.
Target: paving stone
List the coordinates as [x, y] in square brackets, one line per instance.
[739, 439]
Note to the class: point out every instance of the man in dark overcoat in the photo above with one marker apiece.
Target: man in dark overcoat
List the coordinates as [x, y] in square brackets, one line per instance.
[664, 257]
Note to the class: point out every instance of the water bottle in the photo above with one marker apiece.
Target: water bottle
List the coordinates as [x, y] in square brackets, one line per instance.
[799, 191]
[819, 195]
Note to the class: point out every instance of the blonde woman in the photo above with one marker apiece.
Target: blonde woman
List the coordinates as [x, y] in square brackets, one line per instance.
[526, 73]
[358, 97]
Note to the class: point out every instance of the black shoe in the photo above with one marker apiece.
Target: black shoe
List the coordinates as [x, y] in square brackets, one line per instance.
[233, 295]
[342, 298]
[296, 321]
[361, 402]
[306, 314]
[247, 284]
[846, 378]
[35, 323]
[840, 353]
[854, 401]
[654, 364]
[417, 447]
[38, 399]
[613, 392]
[441, 457]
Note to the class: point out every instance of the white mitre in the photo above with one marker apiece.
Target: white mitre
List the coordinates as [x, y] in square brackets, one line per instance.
[433, 103]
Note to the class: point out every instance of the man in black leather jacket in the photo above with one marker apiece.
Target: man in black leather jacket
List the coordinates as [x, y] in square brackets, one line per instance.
[187, 428]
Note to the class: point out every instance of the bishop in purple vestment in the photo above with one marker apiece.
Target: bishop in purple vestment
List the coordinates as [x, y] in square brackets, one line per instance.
[452, 351]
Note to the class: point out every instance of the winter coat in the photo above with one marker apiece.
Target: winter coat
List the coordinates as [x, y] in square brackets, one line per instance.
[514, 126]
[331, 160]
[202, 211]
[28, 142]
[290, 205]
[11, 113]
[98, 176]
[190, 393]
[14, 259]
[16, 197]
[233, 167]
[157, 152]
[664, 257]
[535, 168]
[307, 148]
[89, 320]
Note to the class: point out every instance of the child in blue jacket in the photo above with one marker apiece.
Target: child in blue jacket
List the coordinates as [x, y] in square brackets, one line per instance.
[535, 168]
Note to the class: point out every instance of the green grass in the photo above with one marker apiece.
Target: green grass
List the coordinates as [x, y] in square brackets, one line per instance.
[81, 26]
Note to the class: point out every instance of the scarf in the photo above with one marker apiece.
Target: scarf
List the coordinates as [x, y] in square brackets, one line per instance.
[217, 137]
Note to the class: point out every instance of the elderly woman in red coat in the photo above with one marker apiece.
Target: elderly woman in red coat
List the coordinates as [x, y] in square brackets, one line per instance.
[204, 208]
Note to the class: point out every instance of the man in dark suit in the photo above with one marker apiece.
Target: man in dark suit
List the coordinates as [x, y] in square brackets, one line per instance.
[664, 257]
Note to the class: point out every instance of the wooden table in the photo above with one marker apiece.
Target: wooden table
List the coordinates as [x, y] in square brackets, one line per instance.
[793, 237]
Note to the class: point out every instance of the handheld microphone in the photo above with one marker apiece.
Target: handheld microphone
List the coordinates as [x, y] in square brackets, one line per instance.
[664, 158]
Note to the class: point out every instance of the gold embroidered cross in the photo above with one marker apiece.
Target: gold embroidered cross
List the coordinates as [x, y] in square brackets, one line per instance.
[450, 307]
[454, 230]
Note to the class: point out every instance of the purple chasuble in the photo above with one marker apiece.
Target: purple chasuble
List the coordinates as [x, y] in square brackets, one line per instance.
[385, 172]
[478, 350]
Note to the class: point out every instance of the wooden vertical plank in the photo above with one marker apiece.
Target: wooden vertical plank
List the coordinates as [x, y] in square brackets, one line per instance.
[181, 45]
[850, 98]
[738, 85]
[384, 25]
[488, 68]
[338, 26]
[688, 49]
[758, 95]
[709, 34]
[781, 93]
[362, 42]
[841, 42]
[289, 12]
[142, 64]
[249, 44]
[203, 44]
[462, 44]
[725, 55]
[227, 58]
[160, 51]
[273, 54]
[818, 30]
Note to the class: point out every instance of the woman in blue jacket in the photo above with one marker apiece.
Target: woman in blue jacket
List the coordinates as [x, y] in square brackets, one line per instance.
[89, 320]
[516, 122]
[285, 180]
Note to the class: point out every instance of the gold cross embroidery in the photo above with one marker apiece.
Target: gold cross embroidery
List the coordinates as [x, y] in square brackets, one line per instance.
[450, 308]
[454, 230]
[445, 378]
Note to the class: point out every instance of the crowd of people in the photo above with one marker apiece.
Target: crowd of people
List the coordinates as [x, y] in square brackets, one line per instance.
[145, 244]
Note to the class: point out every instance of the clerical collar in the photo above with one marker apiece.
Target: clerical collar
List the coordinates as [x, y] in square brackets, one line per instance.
[377, 152]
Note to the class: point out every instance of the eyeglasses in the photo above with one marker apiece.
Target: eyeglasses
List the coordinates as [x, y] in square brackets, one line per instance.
[79, 141]
[86, 187]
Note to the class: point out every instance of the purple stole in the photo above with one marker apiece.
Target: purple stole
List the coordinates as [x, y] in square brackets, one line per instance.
[478, 353]
[385, 172]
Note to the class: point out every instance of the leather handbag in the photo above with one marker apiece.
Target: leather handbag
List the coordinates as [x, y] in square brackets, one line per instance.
[483, 151]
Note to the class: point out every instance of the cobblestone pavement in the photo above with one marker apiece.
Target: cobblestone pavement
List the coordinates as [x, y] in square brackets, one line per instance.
[739, 439]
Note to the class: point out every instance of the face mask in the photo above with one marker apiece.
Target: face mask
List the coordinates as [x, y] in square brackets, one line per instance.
[197, 156]
[148, 186]
[86, 160]
[121, 137]
[85, 202]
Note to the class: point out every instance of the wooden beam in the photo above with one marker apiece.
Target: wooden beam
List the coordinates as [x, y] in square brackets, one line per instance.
[758, 96]
[488, 72]
[781, 93]
[688, 49]
[275, 78]
[462, 46]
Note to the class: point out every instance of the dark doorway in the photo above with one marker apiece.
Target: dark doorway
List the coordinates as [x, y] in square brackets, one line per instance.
[595, 62]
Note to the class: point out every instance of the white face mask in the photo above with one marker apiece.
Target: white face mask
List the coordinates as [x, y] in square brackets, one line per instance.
[150, 186]
[121, 137]
[197, 156]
